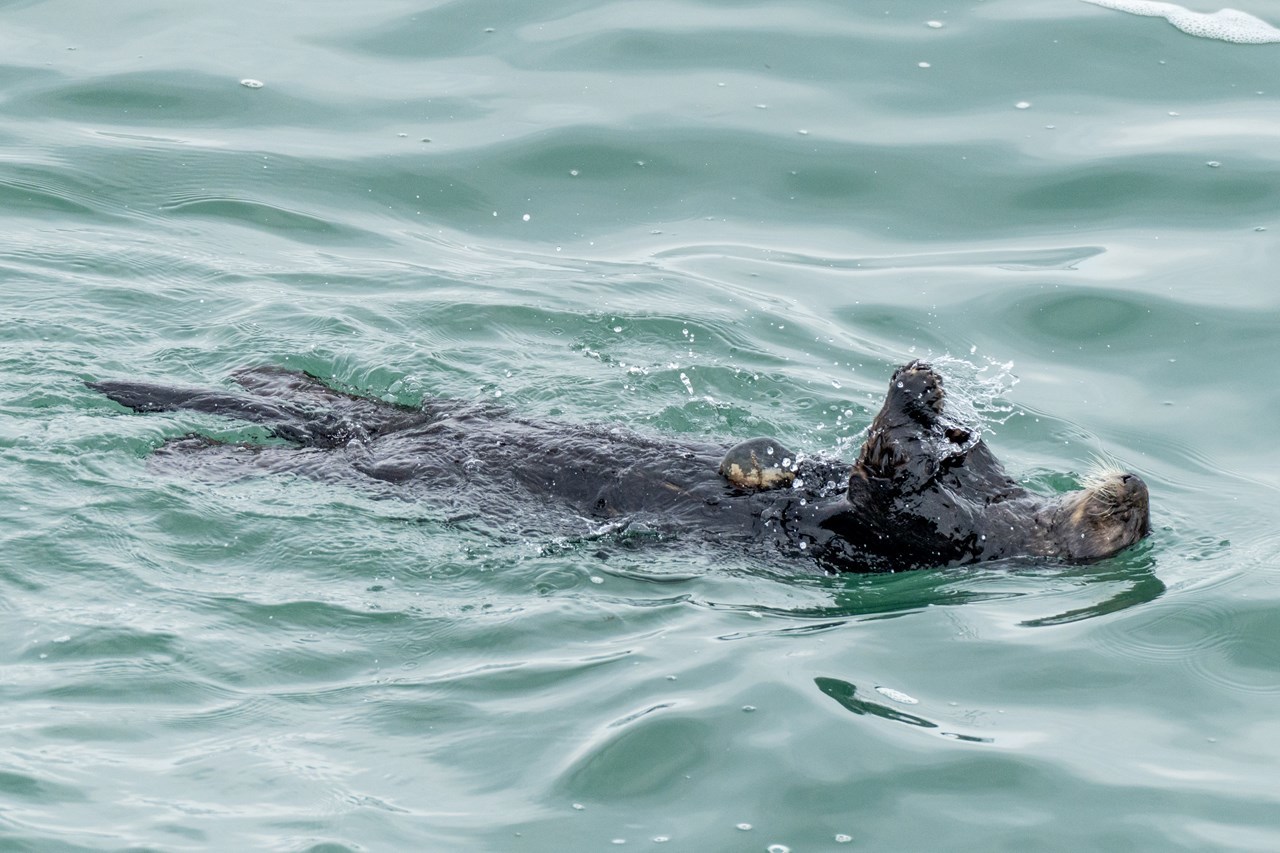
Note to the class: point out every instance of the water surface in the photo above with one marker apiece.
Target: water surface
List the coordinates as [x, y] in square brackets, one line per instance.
[706, 218]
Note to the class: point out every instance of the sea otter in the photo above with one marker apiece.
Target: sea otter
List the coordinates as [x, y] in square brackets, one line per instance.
[924, 491]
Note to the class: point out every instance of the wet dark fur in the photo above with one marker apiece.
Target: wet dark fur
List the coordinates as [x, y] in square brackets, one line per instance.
[922, 492]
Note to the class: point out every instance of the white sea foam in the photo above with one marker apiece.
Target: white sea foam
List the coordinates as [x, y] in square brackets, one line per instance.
[1225, 24]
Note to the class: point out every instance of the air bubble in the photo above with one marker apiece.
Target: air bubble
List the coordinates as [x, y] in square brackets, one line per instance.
[250, 83]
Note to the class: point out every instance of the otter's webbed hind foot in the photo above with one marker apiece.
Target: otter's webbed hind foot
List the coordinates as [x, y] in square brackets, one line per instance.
[335, 417]
[151, 397]
[293, 405]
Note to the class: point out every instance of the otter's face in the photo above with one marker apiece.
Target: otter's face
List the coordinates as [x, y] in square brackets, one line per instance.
[1111, 513]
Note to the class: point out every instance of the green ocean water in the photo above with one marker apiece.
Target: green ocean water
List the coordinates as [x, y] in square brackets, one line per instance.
[702, 218]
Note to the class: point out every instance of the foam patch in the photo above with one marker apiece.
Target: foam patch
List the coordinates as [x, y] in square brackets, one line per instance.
[1224, 25]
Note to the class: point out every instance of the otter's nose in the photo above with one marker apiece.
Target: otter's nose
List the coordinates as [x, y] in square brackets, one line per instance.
[1133, 489]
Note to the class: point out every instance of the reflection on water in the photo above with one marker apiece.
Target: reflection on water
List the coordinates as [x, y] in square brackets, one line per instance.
[846, 695]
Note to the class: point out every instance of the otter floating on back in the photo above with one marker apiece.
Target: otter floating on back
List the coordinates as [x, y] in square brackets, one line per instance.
[923, 492]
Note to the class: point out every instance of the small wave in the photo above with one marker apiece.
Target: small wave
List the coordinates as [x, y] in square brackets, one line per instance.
[1058, 258]
[1230, 25]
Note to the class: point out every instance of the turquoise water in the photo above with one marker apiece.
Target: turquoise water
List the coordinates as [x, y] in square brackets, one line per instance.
[696, 217]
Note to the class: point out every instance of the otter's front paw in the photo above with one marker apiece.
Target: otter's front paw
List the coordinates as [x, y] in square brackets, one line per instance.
[916, 388]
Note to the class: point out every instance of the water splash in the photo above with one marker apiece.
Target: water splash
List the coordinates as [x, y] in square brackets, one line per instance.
[976, 391]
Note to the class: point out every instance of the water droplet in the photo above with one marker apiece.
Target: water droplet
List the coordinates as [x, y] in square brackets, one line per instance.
[933, 25]
[573, 172]
[802, 132]
[597, 579]
[1173, 113]
[661, 839]
[748, 708]
[924, 65]
[1023, 105]
[744, 826]
[841, 838]
[578, 806]
[779, 848]
[250, 83]
[1213, 164]
[525, 217]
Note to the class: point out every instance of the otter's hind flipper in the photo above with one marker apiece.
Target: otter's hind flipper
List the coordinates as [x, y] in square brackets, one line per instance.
[295, 385]
[293, 405]
[150, 397]
[335, 417]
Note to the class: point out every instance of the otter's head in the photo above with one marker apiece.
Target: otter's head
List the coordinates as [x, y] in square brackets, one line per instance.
[1108, 515]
